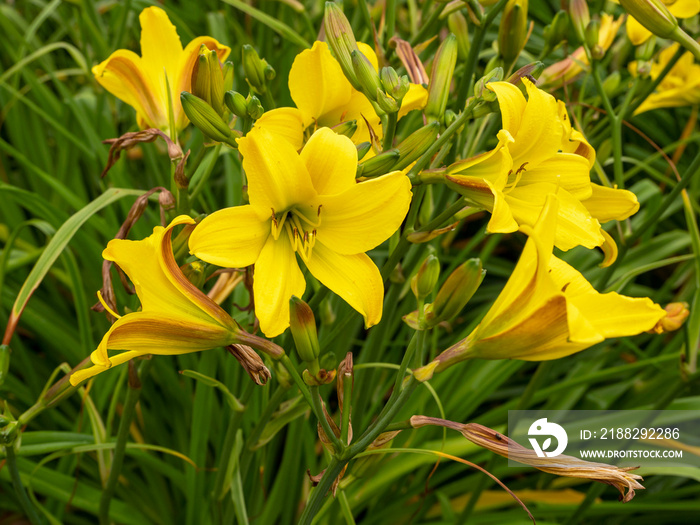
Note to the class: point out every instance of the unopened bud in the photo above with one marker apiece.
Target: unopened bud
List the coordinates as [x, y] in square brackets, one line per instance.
[395, 85]
[228, 76]
[236, 103]
[208, 121]
[512, 33]
[303, 327]
[611, 83]
[366, 75]
[580, 17]
[362, 150]
[200, 76]
[458, 26]
[425, 280]
[592, 33]
[531, 71]
[378, 165]
[270, 72]
[457, 290]
[346, 128]
[450, 117]
[440, 79]
[386, 103]
[646, 50]
[644, 68]
[480, 91]
[676, 314]
[555, 32]
[254, 68]
[652, 14]
[196, 273]
[416, 144]
[341, 40]
[255, 108]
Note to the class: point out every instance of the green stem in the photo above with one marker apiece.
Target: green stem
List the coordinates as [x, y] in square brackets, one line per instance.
[390, 20]
[332, 471]
[389, 131]
[321, 416]
[425, 28]
[132, 397]
[27, 505]
[347, 409]
[270, 408]
[345, 508]
[615, 124]
[688, 42]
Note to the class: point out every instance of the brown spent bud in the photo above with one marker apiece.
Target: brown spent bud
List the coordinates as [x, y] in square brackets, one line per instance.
[251, 363]
[676, 314]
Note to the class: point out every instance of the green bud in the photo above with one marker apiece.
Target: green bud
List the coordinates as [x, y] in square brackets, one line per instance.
[580, 17]
[480, 91]
[362, 150]
[555, 33]
[394, 85]
[592, 33]
[347, 128]
[458, 26]
[236, 103]
[4, 362]
[208, 121]
[652, 14]
[366, 75]
[385, 102]
[450, 117]
[255, 108]
[216, 83]
[646, 50]
[4, 421]
[440, 79]
[208, 79]
[254, 69]
[416, 144]
[456, 292]
[196, 273]
[270, 72]
[341, 40]
[303, 327]
[531, 71]
[611, 83]
[228, 76]
[426, 278]
[378, 165]
[512, 32]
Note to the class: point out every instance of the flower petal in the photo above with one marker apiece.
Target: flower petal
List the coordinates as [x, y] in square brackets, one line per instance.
[331, 160]
[161, 48]
[288, 123]
[484, 194]
[277, 177]
[684, 8]
[316, 82]
[355, 278]
[637, 33]
[122, 74]
[232, 237]
[512, 104]
[365, 215]
[416, 98]
[610, 204]
[569, 171]
[277, 277]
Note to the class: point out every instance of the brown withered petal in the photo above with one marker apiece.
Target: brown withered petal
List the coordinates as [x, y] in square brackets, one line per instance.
[409, 59]
[567, 466]
[421, 237]
[131, 139]
[180, 178]
[251, 363]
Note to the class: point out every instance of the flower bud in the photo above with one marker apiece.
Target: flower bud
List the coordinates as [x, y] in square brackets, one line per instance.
[450, 117]
[303, 327]
[236, 103]
[255, 109]
[456, 292]
[200, 76]
[394, 85]
[208, 121]
[646, 50]
[480, 91]
[653, 15]
[458, 26]
[555, 32]
[196, 272]
[366, 75]
[385, 102]
[416, 144]
[592, 33]
[580, 17]
[346, 128]
[512, 33]
[378, 165]
[440, 79]
[362, 150]
[254, 68]
[216, 82]
[676, 314]
[270, 72]
[611, 83]
[425, 280]
[341, 40]
[531, 71]
[228, 76]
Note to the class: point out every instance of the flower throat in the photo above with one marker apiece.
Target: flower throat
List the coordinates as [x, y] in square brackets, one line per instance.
[300, 229]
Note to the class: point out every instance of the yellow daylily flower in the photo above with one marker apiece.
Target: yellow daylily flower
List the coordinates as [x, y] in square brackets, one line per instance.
[638, 34]
[539, 153]
[547, 309]
[566, 70]
[175, 317]
[142, 81]
[306, 204]
[680, 87]
[324, 97]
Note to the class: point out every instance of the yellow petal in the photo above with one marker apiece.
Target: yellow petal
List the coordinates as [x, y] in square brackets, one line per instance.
[637, 33]
[684, 8]
[317, 83]
[277, 177]
[609, 248]
[484, 194]
[416, 98]
[331, 160]
[512, 104]
[123, 76]
[161, 48]
[565, 170]
[365, 215]
[287, 123]
[81, 375]
[277, 277]
[610, 204]
[359, 109]
[493, 165]
[612, 314]
[572, 140]
[232, 237]
[355, 278]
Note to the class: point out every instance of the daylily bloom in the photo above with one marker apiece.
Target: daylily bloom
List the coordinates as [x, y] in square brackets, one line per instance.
[566, 70]
[547, 309]
[639, 34]
[680, 87]
[324, 97]
[175, 317]
[306, 204]
[150, 83]
[539, 153]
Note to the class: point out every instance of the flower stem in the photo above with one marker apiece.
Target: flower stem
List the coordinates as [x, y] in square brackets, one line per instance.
[132, 397]
[27, 505]
[321, 416]
[389, 131]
